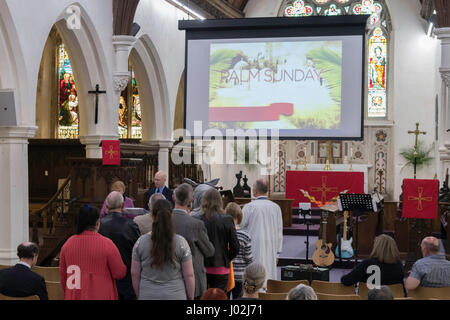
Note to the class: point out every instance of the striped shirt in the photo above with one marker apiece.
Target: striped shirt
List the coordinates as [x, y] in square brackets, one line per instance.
[244, 257]
[432, 271]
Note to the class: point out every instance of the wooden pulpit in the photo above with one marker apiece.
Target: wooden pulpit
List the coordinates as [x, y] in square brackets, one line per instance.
[91, 181]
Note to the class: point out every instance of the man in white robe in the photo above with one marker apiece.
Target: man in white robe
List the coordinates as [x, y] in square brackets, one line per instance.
[262, 219]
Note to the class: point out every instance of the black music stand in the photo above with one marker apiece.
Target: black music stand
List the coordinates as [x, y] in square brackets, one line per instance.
[306, 222]
[358, 203]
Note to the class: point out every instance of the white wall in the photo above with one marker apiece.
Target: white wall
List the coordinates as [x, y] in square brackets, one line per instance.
[159, 22]
[415, 82]
[33, 21]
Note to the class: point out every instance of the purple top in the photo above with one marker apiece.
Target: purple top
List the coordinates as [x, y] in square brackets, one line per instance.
[128, 203]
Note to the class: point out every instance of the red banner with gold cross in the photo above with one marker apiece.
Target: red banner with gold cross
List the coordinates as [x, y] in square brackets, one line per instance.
[111, 152]
[420, 198]
[321, 187]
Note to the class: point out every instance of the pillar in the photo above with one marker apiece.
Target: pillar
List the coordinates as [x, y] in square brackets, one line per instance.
[14, 214]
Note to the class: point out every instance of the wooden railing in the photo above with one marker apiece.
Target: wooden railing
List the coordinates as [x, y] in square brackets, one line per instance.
[56, 219]
[49, 214]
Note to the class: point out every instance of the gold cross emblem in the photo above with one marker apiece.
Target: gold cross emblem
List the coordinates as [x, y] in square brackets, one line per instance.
[324, 189]
[111, 152]
[420, 199]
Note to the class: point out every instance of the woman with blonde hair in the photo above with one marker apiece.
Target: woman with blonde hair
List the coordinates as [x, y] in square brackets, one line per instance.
[127, 202]
[222, 234]
[253, 280]
[386, 256]
[244, 256]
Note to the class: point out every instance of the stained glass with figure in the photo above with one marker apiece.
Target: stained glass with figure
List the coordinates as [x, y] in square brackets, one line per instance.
[378, 29]
[68, 109]
[130, 115]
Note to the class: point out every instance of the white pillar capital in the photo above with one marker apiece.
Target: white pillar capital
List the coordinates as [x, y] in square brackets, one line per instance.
[92, 143]
[17, 135]
[122, 46]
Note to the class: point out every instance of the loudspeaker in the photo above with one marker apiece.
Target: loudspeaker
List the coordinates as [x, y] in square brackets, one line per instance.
[7, 108]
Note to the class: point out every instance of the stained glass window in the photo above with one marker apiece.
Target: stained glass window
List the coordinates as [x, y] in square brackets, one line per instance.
[378, 29]
[68, 109]
[130, 117]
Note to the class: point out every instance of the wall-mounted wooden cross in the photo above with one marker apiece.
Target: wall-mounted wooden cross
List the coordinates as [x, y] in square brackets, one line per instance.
[96, 92]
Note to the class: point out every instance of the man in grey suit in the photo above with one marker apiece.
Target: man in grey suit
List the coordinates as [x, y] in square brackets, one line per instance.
[194, 231]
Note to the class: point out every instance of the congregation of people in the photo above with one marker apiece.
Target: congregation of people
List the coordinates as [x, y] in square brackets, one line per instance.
[188, 246]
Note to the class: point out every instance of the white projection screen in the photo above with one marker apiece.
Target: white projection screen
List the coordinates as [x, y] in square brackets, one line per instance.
[301, 76]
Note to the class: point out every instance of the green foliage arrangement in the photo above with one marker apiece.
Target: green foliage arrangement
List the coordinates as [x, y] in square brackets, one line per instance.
[423, 156]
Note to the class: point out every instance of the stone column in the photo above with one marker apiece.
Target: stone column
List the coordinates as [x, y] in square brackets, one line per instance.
[163, 157]
[163, 154]
[14, 216]
[92, 143]
[443, 34]
[122, 46]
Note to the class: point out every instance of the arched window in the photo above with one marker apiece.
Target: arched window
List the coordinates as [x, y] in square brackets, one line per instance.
[378, 29]
[68, 110]
[130, 115]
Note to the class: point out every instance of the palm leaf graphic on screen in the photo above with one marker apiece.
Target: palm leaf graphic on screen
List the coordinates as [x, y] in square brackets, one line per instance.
[323, 116]
[220, 61]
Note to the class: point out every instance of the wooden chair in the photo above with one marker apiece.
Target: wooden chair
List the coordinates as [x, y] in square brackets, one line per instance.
[332, 288]
[4, 267]
[2, 297]
[423, 293]
[272, 296]
[324, 296]
[397, 290]
[277, 286]
[48, 273]
[54, 290]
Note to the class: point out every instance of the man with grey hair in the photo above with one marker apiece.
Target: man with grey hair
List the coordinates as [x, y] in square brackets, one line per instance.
[301, 292]
[383, 293]
[433, 270]
[263, 221]
[124, 233]
[194, 231]
[145, 221]
[160, 187]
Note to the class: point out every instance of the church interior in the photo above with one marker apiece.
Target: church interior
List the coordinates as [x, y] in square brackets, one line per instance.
[88, 80]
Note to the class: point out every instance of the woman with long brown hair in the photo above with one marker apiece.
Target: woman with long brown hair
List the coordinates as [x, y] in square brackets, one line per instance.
[222, 234]
[162, 267]
[386, 256]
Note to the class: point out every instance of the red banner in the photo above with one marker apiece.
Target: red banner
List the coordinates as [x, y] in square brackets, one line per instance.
[270, 113]
[111, 152]
[321, 186]
[420, 198]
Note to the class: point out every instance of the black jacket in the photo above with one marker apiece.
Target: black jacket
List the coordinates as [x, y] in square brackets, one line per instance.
[19, 282]
[222, 233]
[390, 273]
[166, 193]
[124, 233]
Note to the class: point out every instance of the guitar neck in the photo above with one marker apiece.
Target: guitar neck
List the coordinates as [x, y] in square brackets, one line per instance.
[345, 226]
[324, 228]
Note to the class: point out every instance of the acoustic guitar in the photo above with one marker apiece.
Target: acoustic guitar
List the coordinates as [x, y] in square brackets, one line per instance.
[346, 245]
[324, 256]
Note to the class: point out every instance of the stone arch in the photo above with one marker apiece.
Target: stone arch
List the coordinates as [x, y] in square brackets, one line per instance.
[156, 115]
[12, 63]
[90, 67]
